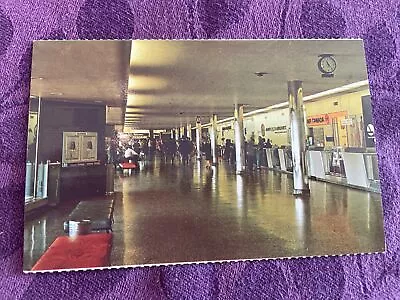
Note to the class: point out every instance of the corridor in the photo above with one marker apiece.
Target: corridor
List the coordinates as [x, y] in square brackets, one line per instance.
[187, 213]
[175, 213]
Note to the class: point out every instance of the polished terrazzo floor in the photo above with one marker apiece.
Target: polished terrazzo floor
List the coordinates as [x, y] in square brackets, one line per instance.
[175, 213]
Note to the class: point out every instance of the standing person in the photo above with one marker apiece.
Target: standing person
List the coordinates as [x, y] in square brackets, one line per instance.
[232, 157]
[207, 152]
[251, 153]
[170, 150]
[161, 149]
[259, 151]
[268, 144]
[149, 149]
[136, 146]
[152, 148]
[145, 149]
[185, 150]
[228, 148]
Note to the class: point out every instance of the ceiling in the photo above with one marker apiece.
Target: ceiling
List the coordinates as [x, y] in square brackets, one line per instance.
[81, 71]
[172, 82]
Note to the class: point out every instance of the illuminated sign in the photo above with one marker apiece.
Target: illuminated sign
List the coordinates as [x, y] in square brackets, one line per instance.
[318, 120]
[325, 119]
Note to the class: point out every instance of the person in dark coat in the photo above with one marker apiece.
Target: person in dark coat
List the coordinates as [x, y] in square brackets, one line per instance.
[260, 152]
[170, 150]
[268, 144]
[207, 152]
[232, 157]
[251, 154]
[228, 149]
[185, 148]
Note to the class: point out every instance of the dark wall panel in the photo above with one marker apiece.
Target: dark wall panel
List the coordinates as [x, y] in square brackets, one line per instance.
[57, 117]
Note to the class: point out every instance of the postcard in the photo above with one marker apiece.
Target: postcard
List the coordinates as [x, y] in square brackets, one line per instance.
[159, 152]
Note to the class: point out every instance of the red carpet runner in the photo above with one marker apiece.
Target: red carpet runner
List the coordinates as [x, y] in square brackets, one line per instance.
[84, 251]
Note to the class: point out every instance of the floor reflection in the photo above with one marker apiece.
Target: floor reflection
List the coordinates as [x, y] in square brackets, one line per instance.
[176, 213]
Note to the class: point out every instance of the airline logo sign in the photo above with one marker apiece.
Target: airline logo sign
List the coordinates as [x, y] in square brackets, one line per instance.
[369, 130]
[318, 120]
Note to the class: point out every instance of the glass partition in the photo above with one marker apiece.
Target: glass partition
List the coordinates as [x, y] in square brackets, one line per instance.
[36, 172]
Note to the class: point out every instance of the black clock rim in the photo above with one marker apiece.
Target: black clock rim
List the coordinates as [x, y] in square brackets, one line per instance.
[320, 66]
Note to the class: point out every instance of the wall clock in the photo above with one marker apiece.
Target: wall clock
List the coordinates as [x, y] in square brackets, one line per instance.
[327, 65]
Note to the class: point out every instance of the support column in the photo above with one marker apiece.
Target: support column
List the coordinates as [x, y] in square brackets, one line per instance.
[198, 138]
[296, 115]
[172, 134]
[213, 138]
[189, 131]
[239, 139]
[177, 132]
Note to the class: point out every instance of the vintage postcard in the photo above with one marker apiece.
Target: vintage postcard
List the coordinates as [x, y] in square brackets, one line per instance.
[154, 152]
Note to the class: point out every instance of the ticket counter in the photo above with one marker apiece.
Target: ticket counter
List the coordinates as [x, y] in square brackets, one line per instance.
[360, 168]
[353, 167]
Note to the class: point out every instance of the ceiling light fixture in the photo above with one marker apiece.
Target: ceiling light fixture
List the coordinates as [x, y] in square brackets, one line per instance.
[260, 74]
[342, 89]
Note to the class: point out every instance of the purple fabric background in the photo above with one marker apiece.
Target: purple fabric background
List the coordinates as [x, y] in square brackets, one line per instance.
[360, 276]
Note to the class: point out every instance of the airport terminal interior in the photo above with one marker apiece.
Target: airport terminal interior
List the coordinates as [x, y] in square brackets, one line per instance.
[153, 152]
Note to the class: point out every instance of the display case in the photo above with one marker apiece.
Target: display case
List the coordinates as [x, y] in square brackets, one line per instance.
[37, 170]
[79, 147]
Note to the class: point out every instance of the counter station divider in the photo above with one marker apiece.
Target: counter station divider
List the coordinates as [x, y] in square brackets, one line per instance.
[354, 169]
[41, 181]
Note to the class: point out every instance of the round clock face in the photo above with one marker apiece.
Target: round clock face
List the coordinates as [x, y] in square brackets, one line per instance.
[327, 64]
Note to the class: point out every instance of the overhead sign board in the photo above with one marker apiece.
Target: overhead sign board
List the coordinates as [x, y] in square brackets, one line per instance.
[346, 122]
[318, 120]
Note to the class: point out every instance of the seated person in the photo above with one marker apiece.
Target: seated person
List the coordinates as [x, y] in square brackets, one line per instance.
[130, 154]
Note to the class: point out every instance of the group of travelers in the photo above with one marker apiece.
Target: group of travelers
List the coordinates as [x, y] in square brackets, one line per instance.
[254, 152]
[133, 151]
[170, 150]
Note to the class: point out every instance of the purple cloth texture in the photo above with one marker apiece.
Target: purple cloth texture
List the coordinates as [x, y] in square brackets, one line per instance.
[373, 276]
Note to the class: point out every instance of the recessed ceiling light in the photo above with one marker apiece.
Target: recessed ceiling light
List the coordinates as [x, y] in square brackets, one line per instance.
[98, 101]
[56, 94]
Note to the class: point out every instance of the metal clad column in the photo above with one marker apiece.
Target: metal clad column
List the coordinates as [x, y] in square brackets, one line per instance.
[189, 131]
[198, 138]
[239, 139]
[296, 116]
[213, 137]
